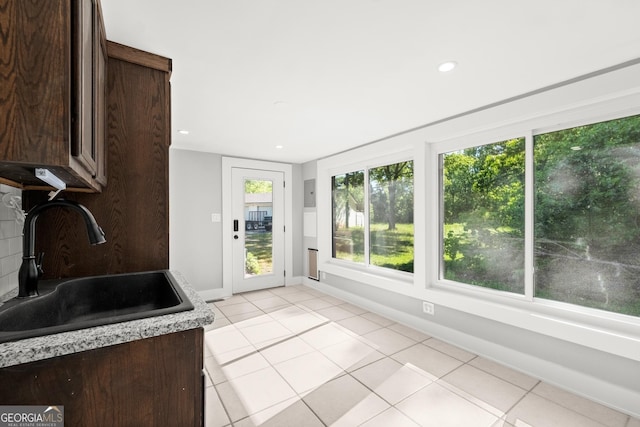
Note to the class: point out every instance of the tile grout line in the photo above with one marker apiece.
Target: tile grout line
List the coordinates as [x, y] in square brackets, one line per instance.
[224, 407]
[258, 350]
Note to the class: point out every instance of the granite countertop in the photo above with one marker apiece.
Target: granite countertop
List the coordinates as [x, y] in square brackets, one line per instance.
[38, 348]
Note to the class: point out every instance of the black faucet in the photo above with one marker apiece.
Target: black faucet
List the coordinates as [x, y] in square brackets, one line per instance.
[29, 270]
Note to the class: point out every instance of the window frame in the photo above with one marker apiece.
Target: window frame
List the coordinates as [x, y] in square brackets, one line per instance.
[366, 265]
[464, 287]
[386, 278]
[555, 313]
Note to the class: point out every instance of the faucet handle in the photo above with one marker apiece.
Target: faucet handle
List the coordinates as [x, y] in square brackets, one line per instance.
[39, 263]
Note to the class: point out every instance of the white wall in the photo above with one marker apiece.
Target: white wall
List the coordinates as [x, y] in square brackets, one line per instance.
[310, 240]
[10, 243]
[299, 254]
[195, 241]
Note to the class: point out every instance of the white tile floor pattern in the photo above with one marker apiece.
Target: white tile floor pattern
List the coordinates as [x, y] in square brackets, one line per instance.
[293, 356]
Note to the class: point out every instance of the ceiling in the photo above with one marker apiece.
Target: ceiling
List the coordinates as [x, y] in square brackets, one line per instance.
[297, 80]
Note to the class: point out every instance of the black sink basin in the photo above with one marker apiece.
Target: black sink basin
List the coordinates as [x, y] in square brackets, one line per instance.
[91, 301]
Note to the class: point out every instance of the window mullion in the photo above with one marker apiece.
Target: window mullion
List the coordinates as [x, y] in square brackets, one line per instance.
[529, 205]
[367, 218]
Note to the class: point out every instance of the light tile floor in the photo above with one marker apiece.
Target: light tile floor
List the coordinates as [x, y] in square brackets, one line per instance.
[293, 356]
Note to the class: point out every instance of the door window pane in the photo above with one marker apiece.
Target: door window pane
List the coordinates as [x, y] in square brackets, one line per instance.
[391, 216]
[348, 216]
[587, 221]
[258, 215]
[483, 209]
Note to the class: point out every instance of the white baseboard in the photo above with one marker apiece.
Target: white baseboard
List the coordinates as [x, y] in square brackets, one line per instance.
[295, 280]
[214, 294]
[221, 293]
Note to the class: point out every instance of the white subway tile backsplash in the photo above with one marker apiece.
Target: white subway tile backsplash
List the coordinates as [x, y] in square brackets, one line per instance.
[6, 265]
[10, 243]
[15, 244]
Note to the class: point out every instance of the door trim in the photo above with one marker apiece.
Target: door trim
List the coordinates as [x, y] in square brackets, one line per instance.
[228, 163]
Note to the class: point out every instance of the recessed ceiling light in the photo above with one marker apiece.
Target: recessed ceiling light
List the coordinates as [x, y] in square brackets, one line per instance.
[445, 67]
[279, 147]
[183, 131]
[280, 104]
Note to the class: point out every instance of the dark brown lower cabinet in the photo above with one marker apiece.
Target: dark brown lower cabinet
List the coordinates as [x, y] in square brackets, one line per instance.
[150, 382]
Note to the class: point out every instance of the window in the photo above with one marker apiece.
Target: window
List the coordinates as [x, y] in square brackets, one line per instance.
[258, 209]
[587, 215]
[348, 216]
[483, 210]
[374, 227]
[391, 216]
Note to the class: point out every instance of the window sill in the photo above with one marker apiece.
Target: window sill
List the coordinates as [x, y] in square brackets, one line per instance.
[390, 280]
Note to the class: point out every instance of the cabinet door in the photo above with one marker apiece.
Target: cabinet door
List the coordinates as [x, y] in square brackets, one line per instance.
[83, 144]
[100, 97]
[150, 382]
[34, 62]
[52, 83]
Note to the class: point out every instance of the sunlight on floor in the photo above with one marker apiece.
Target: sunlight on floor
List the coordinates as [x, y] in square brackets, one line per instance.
[293, 356]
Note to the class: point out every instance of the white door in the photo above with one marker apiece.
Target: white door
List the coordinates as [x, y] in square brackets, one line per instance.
[258, 229]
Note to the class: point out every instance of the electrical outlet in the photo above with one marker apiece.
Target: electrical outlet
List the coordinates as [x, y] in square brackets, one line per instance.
[428, 307]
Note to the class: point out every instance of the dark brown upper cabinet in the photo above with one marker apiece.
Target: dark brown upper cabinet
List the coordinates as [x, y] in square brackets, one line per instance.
[133, 210]
[52, 93]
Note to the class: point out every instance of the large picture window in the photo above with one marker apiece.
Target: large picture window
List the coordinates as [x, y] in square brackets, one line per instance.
[483, 210]
[587, 215]
[373, 216]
